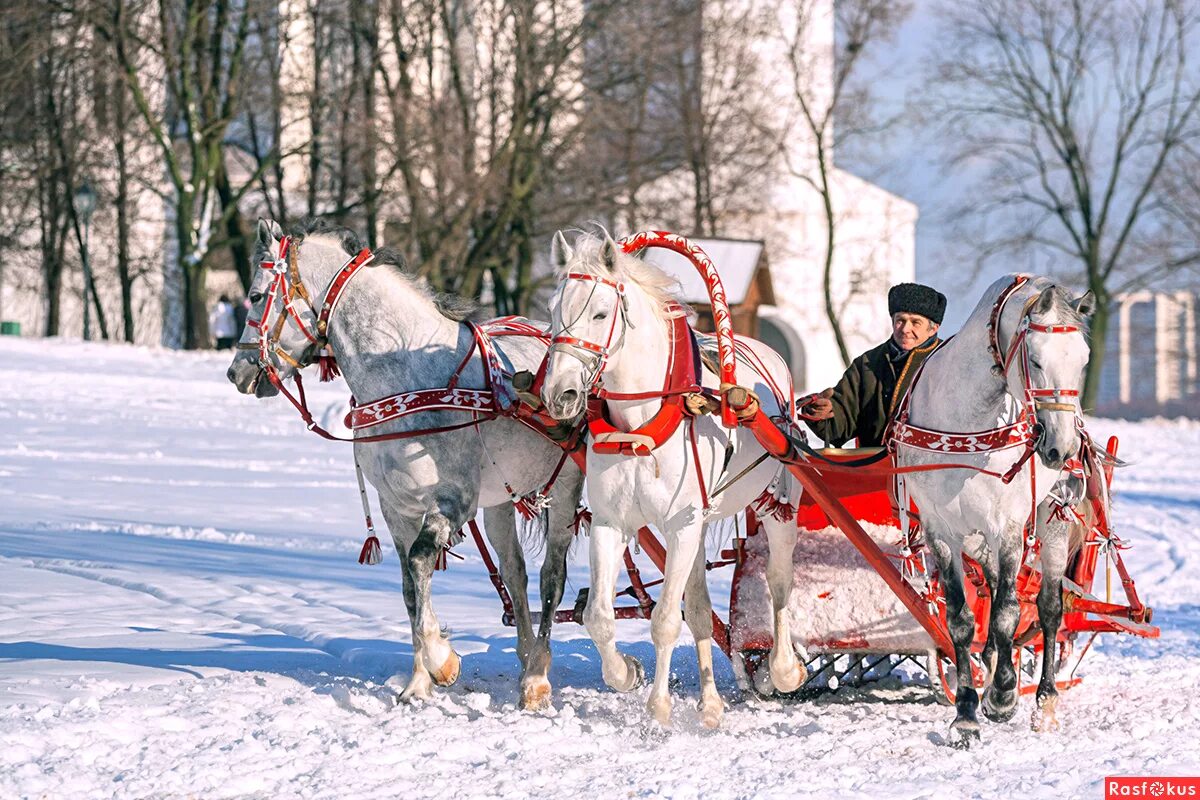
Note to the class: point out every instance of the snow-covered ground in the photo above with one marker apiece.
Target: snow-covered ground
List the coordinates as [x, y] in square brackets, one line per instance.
[182, 615]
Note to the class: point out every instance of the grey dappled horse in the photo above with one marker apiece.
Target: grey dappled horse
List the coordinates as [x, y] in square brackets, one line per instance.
[391, 334]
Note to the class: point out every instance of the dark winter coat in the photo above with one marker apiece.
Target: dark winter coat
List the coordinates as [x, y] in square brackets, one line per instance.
[866, 397]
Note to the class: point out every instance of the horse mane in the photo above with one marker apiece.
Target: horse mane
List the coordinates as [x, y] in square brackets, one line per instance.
[451, 306]
[1061, 310]
[663, 289]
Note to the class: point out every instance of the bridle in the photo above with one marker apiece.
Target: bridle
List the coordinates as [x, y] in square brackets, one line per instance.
[592, 355]
[1018, 349]
[288, 291]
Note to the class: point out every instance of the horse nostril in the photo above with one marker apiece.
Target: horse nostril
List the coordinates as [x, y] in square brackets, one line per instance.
[1053, 455]
[568, 397]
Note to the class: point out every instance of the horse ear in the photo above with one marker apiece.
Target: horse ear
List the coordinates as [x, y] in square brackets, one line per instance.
[1085, 304]
[1044, 302]
[560, 251]
[608, 253]
[268, 231]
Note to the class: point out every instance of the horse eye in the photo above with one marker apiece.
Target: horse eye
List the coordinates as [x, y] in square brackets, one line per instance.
[1035, 364]
[601, 315]
[255, 297]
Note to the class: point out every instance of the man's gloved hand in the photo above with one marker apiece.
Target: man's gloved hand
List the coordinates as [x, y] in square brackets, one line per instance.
[818, 406]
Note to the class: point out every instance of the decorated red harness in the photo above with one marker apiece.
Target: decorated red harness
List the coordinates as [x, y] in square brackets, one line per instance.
[1024, 432]
[287, 291]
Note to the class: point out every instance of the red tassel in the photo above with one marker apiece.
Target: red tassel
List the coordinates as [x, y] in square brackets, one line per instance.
[371, 553]
[440, 562]
[328, 366]
[583, 521]
[531, 505]
[766, 504]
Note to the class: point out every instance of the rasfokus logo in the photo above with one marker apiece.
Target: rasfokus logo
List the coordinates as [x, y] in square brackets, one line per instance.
[1154, 787]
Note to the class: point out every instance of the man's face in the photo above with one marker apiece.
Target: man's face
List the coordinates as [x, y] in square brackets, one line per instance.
[910, 330]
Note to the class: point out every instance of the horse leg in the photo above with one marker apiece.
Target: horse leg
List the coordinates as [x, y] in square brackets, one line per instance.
[621, 672]
[697, 612]
[436, 652]
[961, 622]
[420, 684]
[1000, 698]
[535, 686]
[1055, 546]
[787, 673]
[500, 525]
[667, 619]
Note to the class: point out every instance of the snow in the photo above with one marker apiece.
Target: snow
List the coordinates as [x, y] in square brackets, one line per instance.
[182, 615]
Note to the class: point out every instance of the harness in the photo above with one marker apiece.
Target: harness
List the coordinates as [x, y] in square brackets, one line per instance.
[494, 400]
[1023, 432]
[681, 383]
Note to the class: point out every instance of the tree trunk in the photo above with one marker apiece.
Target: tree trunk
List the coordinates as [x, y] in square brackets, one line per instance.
[235, 232]
[174, 289]
[124, 273]
[197, 307]
[1098, 338]
[827, 280]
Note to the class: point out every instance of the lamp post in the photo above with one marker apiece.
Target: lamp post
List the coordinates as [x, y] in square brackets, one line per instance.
[85, 204]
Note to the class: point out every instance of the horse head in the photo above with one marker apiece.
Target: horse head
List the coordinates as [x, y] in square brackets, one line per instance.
[1049, 355]
[282, 333]
[603, 292]
[587, 320]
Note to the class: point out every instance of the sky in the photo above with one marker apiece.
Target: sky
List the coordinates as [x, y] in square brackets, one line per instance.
[913, 167]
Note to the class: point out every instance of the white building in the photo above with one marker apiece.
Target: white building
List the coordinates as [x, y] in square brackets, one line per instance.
[875, 239]
[1151, 360]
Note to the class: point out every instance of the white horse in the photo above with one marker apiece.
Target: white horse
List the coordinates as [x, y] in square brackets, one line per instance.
[1019, 346]
[391, 334]
[619, 318]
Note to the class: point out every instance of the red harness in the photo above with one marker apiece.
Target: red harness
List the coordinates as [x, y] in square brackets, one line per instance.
[1024, 432]
[494, 400]
[680, 379]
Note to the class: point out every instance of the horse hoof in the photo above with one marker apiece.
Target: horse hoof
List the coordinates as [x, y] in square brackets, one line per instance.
[711, 713]
[448, 672]
[788, 680]
[417, 691]
[998, 708]
[661, 711]
[1044, 719]
[635, 675]
[964, 733]
[535, 695]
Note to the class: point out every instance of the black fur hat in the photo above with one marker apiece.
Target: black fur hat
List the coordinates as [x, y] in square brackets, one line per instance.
[914, 298]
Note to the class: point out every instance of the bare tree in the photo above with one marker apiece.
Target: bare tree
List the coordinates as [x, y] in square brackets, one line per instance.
[481, 100]
[198, 52]
[1076, 110]
[834, 110]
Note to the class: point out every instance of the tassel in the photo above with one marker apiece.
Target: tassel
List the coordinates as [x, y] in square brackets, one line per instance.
[441, 562]
[371, 553]
[327, 365]
[766, 504]
[531, 505]
[583, 521]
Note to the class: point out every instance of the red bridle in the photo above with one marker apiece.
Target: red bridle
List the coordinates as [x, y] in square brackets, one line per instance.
[287, 289]
[1019, 347]
[597, 354]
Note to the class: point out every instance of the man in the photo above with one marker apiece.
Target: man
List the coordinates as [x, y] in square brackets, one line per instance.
[864, 400]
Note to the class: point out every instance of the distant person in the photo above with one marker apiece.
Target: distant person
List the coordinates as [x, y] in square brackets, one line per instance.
[223, 324]
[864, 400]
